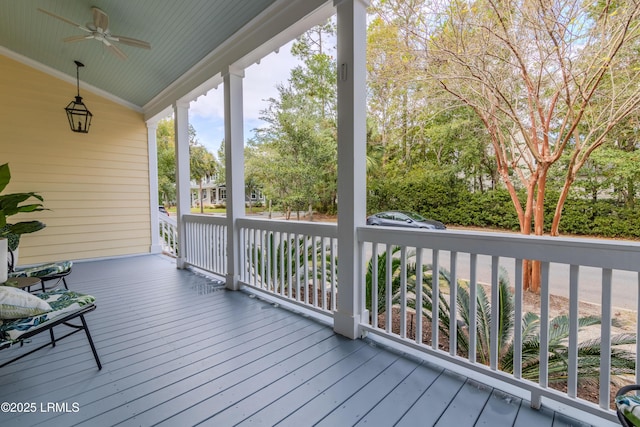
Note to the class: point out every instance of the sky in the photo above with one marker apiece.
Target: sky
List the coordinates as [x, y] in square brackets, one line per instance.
[206, 114]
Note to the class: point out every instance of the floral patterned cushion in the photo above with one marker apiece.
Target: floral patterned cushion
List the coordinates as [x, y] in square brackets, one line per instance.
[42, 270]
[629, 405]
[62, 303]
[16, 304]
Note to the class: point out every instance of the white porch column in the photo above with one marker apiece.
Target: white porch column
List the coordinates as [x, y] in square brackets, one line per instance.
[352, 140]
[234, 164]
[183, 173]
[152, 145]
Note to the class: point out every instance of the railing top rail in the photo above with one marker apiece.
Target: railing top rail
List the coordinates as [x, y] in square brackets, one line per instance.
[573, 251]
[298, 227]
[205, 219]
[167, 219]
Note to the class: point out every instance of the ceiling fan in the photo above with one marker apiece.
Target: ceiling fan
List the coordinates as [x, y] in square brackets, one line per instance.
[99, 30]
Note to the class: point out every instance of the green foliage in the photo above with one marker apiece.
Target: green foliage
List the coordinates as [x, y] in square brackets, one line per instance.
[280, 261]
[295, 158]
[202, 162]
[390, 265]
[623, 362]
[13, 204]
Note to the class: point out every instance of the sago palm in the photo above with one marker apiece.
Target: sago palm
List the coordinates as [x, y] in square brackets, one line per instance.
[622, 361]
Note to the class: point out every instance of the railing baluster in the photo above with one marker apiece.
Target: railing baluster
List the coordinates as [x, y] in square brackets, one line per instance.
[334, 281]
[572, 380]
[374, 285]
[263, 259]
[605, 339]
[544, 325]
[306, 269]
[473, 307]
[314, 269]
[419, 296]
[638, 331]
[281, 239]
[290, 261]
[297, 265]
[254, 255]
[388, 289]
[403, 292]
[517, 322]
[435, 298]
[323, 272]
[453, 303]
[494, 339]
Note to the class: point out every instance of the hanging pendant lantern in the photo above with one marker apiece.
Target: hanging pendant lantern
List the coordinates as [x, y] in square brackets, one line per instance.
[78, 114]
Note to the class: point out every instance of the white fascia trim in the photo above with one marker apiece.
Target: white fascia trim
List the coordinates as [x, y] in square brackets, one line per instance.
[278, 24]
[69, 79]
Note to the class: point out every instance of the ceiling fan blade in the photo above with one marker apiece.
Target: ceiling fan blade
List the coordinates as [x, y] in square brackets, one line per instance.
[130, 42]
[100, 18]
[68, 21]
[115, 49]
[80, 38]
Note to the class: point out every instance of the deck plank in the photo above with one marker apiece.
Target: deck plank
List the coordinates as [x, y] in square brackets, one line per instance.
[501, 408]
[465, 408]
[434, 401]
[367, 397]
[297, 397]
[323, 404]
[400, 399]
[178, 349]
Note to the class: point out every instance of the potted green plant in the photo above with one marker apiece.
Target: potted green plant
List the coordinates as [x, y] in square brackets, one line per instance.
[12, 204]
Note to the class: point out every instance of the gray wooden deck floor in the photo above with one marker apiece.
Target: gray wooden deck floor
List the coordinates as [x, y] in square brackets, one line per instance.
[175, 355]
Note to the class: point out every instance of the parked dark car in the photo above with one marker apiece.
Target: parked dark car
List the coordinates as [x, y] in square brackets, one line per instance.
[404, 219]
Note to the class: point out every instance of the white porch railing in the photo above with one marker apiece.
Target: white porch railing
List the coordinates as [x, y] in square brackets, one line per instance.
[406, 257]
[291, 260]
[297, 262]
[206, 243]
[168, 235]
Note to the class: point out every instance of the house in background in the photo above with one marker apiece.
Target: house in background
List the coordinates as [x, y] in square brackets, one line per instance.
[214, 194]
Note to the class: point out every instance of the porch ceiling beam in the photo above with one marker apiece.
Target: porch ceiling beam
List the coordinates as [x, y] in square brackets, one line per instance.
[280, 23]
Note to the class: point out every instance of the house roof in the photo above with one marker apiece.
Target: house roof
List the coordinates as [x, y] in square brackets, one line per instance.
[186, 38]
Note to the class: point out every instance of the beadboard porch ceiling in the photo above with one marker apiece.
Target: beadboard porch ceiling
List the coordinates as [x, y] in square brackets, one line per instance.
[181, 33]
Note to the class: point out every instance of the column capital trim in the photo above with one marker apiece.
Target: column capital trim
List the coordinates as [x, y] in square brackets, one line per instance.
[232, 70]
[181, 104]
[337, 3]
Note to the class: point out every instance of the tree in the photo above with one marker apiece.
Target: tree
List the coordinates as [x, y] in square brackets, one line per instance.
[201, 161]
[165, 140]
[202, 164]
[295, 156]
[416, 132]
[546, 79]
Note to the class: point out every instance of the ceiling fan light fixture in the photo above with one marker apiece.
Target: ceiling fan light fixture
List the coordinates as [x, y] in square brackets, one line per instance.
[78, 114]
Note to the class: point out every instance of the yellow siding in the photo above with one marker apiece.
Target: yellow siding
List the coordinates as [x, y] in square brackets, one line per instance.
[96, 185]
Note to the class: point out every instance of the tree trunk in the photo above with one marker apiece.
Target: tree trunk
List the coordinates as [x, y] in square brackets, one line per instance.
[557, 215]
